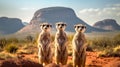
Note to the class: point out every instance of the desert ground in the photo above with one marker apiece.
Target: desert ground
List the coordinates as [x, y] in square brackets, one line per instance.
[101, 52]
[92, 61]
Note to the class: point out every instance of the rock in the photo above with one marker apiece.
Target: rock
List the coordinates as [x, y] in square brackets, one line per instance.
[89, 49]
[10, 25]
[107, 24]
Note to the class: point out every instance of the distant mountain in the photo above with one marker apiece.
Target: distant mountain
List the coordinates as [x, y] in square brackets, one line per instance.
[53, 15]
[107, 24]
[10, 25]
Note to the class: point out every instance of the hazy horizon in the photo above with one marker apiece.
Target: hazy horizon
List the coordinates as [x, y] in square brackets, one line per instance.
[89, 11]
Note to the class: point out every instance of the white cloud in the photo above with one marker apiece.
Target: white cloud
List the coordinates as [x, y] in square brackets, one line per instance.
[93, 15]
[26, 8]
[116, 5]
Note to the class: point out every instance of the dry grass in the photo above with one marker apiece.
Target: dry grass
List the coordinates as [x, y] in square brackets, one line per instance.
[101, 44]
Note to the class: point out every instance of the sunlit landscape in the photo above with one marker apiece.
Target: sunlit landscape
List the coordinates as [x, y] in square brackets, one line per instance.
[20, 27]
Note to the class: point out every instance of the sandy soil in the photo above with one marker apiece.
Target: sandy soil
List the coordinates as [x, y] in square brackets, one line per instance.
[92, 61]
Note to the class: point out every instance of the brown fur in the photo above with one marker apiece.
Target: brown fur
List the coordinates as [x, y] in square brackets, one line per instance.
[79, 48]
[61, 53]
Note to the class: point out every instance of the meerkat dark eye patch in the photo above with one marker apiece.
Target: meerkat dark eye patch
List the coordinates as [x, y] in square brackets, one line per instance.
[48, 25]
[62, 24]
[78, 26]
[83, 26]
[43, 25]
[58, 24]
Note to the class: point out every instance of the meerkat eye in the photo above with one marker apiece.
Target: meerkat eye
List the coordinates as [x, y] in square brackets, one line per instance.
[78, 26]
[48, 25]
[62, 24]
[58, 24]
[43, 25]
[82, 27]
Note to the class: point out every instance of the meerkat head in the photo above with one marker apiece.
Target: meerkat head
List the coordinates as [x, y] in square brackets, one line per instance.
[45, 27]
[60, 26]
[80, 28]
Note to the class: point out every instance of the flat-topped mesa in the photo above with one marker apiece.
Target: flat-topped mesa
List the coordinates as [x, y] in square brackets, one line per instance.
[53, 15]
[107, 24]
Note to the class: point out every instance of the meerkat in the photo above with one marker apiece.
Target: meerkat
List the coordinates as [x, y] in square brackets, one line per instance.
[79, 46]
[44, 43]
[61, 53]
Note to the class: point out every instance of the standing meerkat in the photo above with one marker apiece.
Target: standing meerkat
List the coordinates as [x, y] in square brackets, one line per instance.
[61, 53]
[44, 43]
[79, 46]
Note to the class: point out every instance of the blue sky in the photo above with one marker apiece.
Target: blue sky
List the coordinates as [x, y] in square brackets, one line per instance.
[88, 10]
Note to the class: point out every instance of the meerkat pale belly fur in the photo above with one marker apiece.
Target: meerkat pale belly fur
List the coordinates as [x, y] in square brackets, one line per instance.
[79, 46]
[44, 43]
[61, 53]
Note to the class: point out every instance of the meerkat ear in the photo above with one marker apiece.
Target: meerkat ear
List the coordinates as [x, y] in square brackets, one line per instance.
[85, 26]
[74, 26]
[56, 23]
[41, 25]
[65, 24]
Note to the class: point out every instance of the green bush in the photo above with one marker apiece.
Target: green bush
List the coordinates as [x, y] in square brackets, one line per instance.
[11, 48]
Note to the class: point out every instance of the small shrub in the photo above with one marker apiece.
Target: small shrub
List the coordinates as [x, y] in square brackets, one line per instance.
[89, 48]
[2, 43]
[106, 53]
[70, 37]
[11, 48]
[5, 56]
[117, 39]
[116, 51]
[29, 38]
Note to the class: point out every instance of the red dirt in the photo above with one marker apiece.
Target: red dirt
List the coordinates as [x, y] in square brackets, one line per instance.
[92, 60]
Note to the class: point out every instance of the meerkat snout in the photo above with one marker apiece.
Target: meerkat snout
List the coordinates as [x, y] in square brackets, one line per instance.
[80, 28]
[60, 26]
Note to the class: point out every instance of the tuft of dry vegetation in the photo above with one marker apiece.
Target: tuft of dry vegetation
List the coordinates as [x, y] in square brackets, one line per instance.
[11, 48]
